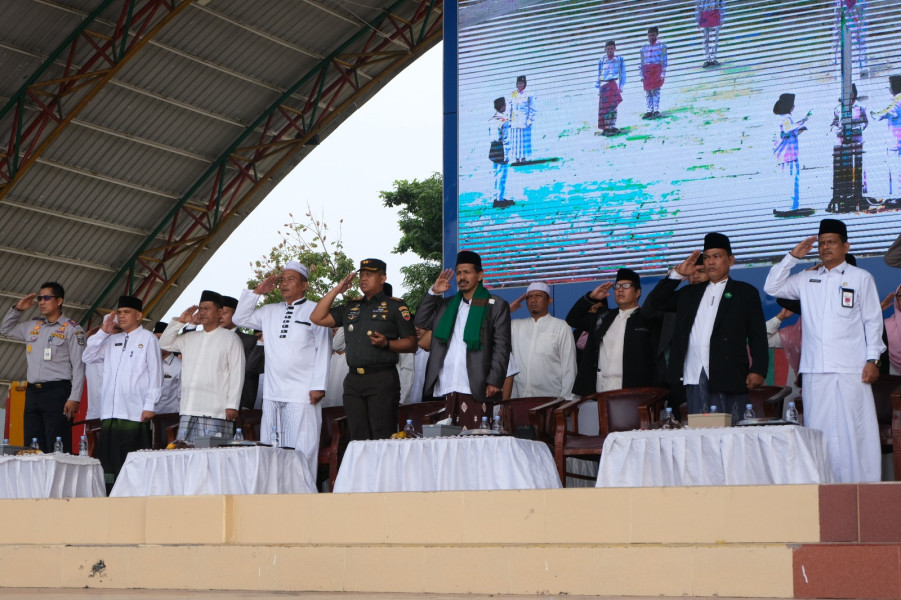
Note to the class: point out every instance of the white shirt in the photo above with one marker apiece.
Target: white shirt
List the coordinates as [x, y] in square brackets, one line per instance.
[405, 366]
[297, 351]
[93, 374]
[610, 353]
[213, 369]
[697, 356]
[170, 397]
[453, 376]
[132, 372]
[841, 330]
[546, 354]
[420, 360]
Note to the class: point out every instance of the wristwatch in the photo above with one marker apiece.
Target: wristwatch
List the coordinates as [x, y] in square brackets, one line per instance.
[875, 361]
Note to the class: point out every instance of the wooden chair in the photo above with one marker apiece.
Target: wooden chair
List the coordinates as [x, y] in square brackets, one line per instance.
[618, 410]
[767, 401]
[159, 429]
[887, 396]
[249, 422]
[332, 443]
[536, 412]
[420, 413]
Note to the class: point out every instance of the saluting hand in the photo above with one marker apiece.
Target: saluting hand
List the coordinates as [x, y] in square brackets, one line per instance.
[188, 315]
[267, 285]
[26, 302]
[602, 291]
[109, 324]
[516, 304]
[687, 266]
[804, 247]
[442, 283]
[346, 283]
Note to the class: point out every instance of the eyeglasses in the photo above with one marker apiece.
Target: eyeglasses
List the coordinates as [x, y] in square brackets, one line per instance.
[623, 286]
[46, 298]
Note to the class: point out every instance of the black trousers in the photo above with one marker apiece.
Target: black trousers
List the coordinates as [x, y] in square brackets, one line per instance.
[44, 418]
[370, 402]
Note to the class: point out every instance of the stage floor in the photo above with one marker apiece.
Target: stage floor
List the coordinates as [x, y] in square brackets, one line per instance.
[56, 594]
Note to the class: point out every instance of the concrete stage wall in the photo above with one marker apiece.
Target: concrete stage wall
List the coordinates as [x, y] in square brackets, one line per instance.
[772, 541]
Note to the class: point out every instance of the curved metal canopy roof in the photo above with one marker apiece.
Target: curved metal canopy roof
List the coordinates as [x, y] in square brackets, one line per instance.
[137, 134]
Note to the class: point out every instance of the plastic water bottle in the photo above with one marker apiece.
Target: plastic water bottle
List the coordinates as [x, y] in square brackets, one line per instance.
[497, 425]
[274, 437]
[83, 446]
[58, 445]
[713, 409]
[239, 435]
[749, 412]
[668, 419]
[484, 423]
[409, 432]
[791, 413]
[34, 444]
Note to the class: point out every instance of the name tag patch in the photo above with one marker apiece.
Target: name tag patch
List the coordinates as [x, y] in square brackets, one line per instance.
[847, 297]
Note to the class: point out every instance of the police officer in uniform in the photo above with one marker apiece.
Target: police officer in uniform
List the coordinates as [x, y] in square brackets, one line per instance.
[53, 349]
[376, 328]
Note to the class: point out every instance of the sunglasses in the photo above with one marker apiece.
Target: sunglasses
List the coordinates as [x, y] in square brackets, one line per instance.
[624, 286]
[46, 298]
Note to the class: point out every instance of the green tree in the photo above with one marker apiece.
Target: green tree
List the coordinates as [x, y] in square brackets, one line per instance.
[310, 243]
[419, 219]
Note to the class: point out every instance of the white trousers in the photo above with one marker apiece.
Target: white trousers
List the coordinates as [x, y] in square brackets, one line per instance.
[298, 425]
[842, 407]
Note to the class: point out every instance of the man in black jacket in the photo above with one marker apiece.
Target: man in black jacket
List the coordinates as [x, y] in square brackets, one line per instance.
[717, 324]
[622, 343]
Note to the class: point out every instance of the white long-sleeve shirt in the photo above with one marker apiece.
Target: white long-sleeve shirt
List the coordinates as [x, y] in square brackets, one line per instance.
[297, 351]
[610, 354]
[212, 369]
[697, 356]
[842, 324]
[546, 354]
[132, 372]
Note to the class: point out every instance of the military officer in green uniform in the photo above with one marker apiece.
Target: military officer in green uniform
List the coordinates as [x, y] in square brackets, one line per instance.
[53, 348]
[376, 328]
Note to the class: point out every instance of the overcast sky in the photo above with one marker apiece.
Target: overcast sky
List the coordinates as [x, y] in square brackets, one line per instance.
[396, 135]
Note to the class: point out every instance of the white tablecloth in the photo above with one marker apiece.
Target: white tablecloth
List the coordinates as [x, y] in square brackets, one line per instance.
[447, 464]
[251, 470]
[51, 476]
[722, 456]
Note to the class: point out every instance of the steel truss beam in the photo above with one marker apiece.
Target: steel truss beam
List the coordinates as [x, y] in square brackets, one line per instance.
[401, 33]
[50, 100]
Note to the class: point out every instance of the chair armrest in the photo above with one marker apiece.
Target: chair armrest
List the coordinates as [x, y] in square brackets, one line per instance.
[434, 417]
[541, 418]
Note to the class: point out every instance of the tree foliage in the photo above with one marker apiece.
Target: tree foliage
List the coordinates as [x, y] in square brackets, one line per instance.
[309, 242]
[419, 219]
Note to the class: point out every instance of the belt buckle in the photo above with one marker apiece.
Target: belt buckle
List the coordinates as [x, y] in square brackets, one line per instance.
[38, 386]
[361, 371]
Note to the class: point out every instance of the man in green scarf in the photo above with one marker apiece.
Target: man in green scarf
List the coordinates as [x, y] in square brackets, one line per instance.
[470, 342]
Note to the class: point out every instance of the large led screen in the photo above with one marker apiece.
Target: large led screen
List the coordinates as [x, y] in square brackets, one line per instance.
[565, 178]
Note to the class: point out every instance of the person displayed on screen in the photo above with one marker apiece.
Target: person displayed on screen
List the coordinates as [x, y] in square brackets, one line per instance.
[785, 147]
[522, 117]
[653, 72]
[710, 15]
[892, 115]
[499, 151]
[855, 15]
[611, 79]
[858, 123]
[842, 343]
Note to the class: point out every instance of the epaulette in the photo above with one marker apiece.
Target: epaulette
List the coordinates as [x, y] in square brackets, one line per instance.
[401, 300]
[72, 322]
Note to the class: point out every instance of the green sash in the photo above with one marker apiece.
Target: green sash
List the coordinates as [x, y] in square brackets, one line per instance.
[475, 321]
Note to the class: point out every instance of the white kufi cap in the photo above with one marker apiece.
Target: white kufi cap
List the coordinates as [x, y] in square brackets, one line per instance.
[539, 286]
[293, 265]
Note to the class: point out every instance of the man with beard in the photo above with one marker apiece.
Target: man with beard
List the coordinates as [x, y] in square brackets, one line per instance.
[470, 347]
